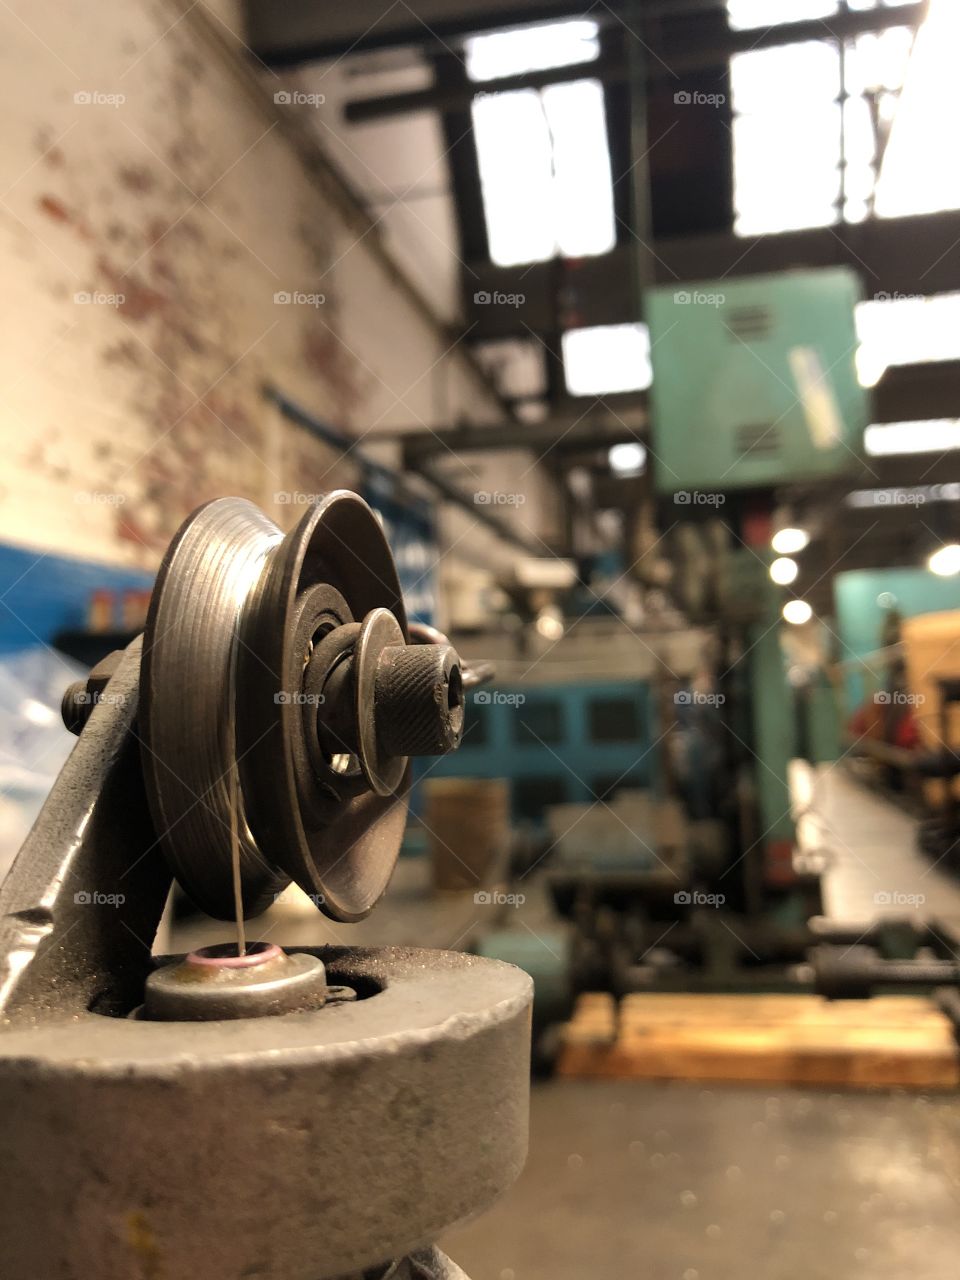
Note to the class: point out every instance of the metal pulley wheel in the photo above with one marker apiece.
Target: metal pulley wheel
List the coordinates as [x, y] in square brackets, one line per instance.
[280, 702]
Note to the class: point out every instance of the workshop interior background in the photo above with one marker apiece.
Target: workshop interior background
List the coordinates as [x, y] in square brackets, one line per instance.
[638, 324]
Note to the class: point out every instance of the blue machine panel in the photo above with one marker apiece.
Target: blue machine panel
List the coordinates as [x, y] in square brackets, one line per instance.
[558, 743]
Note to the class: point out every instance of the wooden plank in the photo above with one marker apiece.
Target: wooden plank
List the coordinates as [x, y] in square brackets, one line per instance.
[889, 1041]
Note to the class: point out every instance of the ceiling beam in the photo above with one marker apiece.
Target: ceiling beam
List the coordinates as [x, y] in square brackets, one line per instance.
[915, 255]
[299, 31]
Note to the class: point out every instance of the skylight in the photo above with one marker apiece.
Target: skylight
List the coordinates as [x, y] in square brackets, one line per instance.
[744, 14]
[607, 358]
[786, 137]
[768, 13]
[795, 144]
[888, 439]
[510, 53]
[906, 330]
[543, 153]
[913, 179]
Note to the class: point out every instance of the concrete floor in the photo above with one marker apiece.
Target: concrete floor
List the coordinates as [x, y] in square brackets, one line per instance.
[873, 867]
[677, 1182]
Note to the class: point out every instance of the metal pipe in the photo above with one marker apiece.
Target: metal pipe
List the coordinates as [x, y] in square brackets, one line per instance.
[449, 492]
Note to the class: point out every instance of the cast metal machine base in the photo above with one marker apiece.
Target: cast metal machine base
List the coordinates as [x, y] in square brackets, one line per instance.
[288, 1116]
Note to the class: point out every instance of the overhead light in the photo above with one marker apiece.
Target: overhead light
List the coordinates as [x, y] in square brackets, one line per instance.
[787, 542]
[945, 561]
[783, 571]
[935, 435]
[628, 459]
[549, 623]
[797, 612]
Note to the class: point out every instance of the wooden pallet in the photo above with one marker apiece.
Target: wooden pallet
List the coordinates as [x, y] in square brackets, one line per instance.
[787, 1039]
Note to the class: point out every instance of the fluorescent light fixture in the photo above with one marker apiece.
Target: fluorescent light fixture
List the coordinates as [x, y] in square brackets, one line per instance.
[935, 435]
[510, 53]
[787, 542]
[607, 358]
[797, 612]
[628, 459]
[783, 571]
[945, 561]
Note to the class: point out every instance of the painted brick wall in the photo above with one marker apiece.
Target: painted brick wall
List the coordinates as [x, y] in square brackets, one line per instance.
[151, 207]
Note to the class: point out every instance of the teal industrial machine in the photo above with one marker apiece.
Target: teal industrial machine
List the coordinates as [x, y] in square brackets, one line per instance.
[754, 380]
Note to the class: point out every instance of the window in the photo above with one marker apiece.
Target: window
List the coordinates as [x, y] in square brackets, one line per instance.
[551, 44]
[543, 153]
[613, 720]
[889, 439]
[607, 358]
[810, 120]
[906, 330]
[913, 180]
[786, 137]
[744, 14]
[538, 722]
[767, 13]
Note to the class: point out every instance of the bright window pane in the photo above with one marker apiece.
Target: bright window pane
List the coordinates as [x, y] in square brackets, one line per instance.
[510, 53]
[769, 13]
[545, 172]
[516, 174]
[783, 82]
[895, 331]
[914, 178]
[887, 439]
[582, 195]
[786, 137]
[607, 358]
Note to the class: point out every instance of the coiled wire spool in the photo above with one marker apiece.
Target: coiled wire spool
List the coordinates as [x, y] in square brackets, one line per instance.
[234, 616]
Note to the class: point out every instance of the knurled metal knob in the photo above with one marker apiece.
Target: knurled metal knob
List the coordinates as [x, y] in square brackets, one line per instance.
[418, 700]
